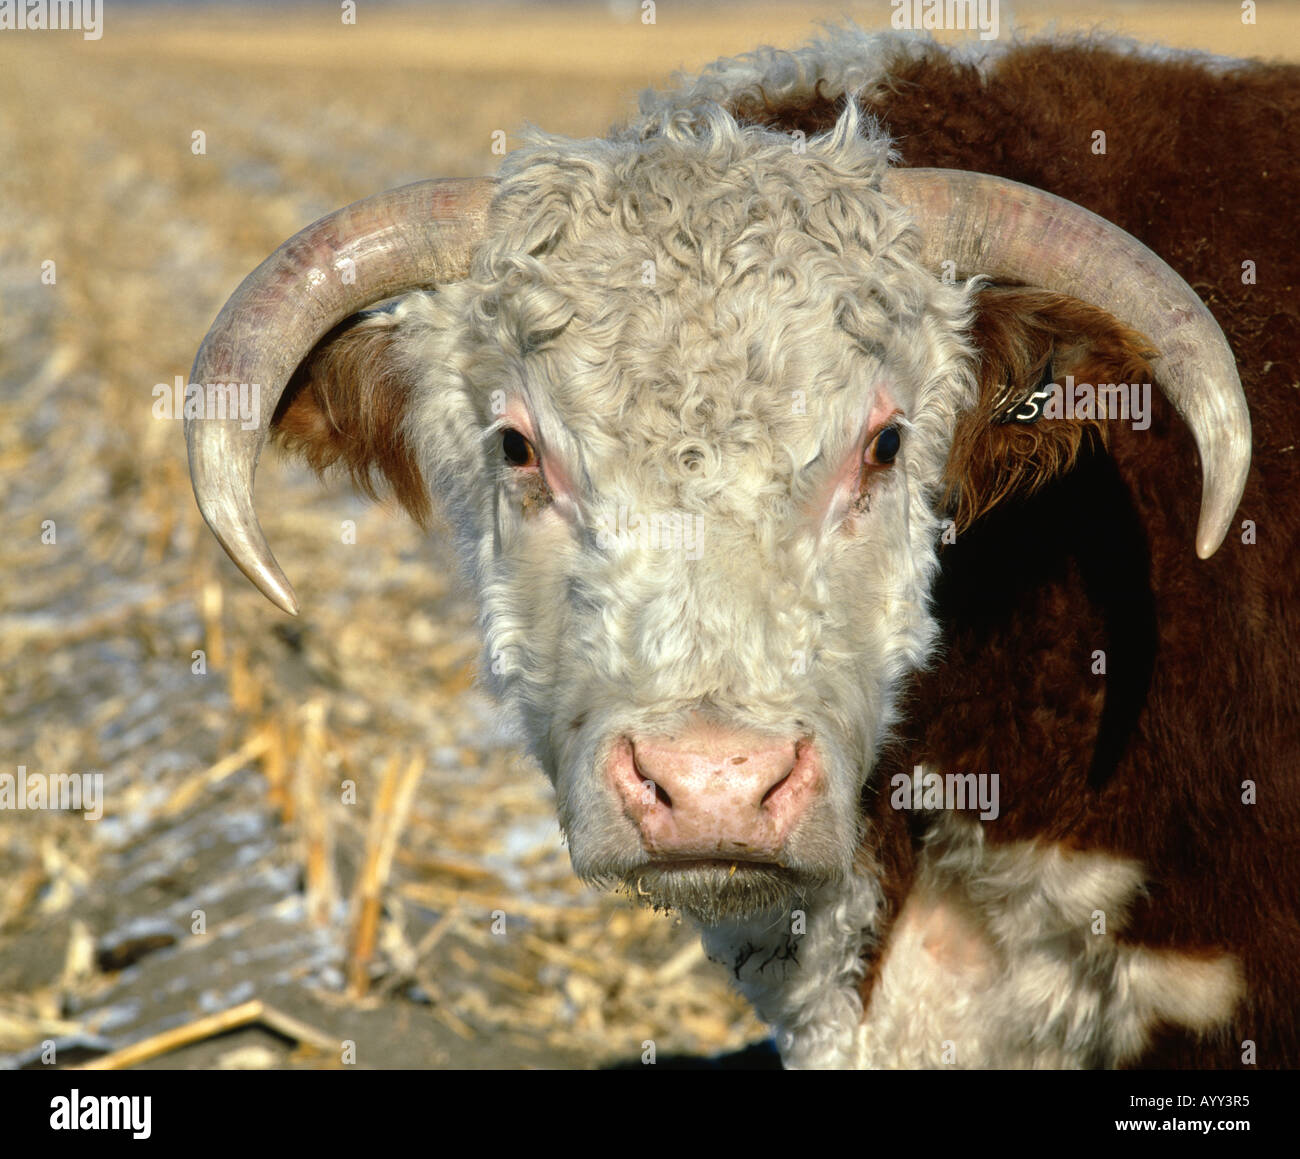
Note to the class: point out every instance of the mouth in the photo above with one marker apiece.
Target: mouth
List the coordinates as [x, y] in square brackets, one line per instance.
[712, 890]
[732, 864]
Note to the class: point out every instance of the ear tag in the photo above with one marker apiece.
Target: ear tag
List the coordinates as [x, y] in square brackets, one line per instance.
[1030, 408]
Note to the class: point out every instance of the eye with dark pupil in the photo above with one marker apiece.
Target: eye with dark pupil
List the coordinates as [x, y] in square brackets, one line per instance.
[517, 449]
[886, 446]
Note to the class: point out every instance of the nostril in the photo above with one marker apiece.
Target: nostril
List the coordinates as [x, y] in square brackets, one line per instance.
[800, 756]
[772, 792]
[651, 789]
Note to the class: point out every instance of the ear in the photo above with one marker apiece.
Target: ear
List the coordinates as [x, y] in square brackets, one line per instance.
[347, 406]
[1026, 340]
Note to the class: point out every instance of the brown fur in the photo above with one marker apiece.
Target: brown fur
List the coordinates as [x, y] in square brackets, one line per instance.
[1018, 333]
[345, 407]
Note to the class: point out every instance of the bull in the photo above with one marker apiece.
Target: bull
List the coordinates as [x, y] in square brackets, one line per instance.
[841, 616]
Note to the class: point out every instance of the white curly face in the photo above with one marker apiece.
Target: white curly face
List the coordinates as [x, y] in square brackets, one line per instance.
[689, 416]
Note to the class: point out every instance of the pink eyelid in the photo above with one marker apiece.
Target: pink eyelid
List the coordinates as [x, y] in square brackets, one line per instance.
[546, 466]
[844, 485]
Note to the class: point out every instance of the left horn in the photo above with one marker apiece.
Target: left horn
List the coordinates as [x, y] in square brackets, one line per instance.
[410, 238]
[989, 225]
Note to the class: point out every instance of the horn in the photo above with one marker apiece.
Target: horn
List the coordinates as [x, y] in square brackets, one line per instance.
[405, 239]
[1009, 231]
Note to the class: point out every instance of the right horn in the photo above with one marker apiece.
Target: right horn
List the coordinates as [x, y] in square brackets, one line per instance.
[1009, 231]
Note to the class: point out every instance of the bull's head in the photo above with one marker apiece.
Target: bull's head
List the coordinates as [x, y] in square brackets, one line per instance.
[688, 398]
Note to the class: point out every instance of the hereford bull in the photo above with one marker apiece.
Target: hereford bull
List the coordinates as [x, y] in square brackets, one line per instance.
[839, 572]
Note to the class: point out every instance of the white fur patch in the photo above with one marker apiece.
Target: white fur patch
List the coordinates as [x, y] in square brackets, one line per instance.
[1006, 957]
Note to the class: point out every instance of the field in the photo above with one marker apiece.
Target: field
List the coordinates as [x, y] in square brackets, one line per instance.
[428, 913]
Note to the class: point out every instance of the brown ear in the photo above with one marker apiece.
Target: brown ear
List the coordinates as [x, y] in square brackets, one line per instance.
[346, 405]
[1027, 338]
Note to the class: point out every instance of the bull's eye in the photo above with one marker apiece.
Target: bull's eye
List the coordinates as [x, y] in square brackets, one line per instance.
[519, 452]
[884, 447]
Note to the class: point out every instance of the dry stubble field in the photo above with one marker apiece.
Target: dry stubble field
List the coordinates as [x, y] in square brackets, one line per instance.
[227, 870]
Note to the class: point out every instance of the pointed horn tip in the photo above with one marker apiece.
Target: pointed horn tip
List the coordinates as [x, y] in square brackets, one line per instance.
[243, 541]
[283, 597]
[266, 576]
[1209, 540]
[1218, 505]
[1226, 470]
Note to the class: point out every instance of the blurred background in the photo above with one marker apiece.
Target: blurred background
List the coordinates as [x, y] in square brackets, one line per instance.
[238, 905]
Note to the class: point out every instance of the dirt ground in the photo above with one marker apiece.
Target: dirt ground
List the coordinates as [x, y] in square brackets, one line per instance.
[427, 915]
